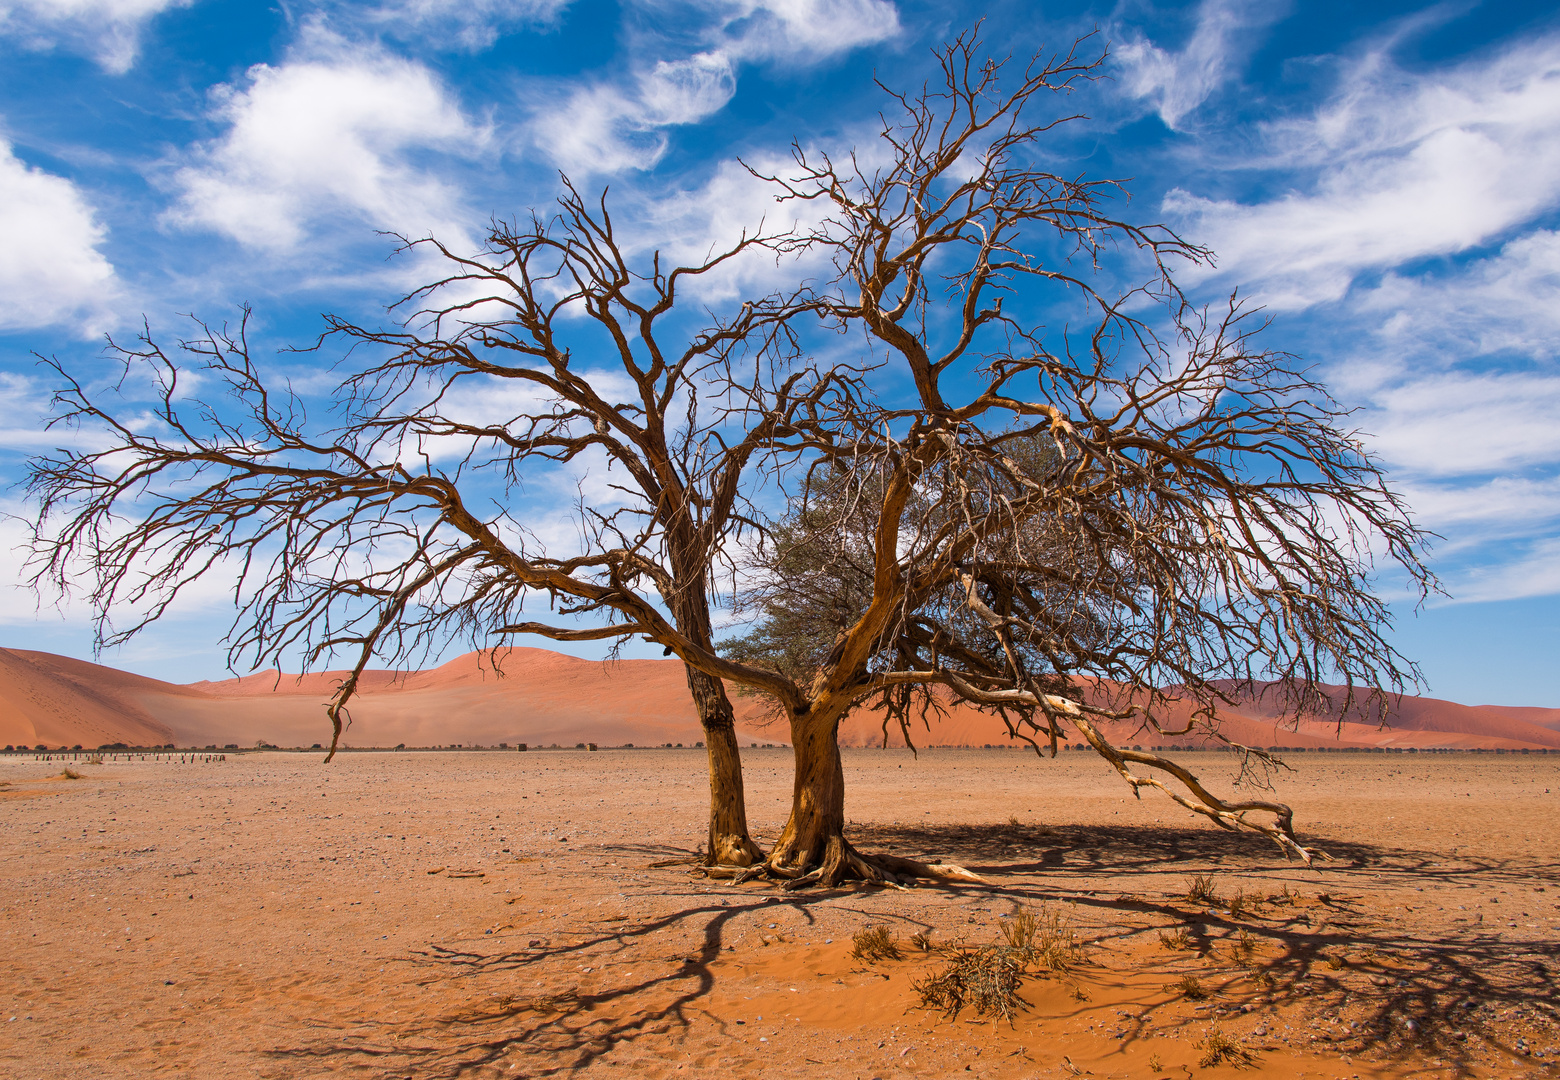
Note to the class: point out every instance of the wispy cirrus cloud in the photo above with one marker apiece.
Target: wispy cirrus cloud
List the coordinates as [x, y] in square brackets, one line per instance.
[109, 31]
[608, 127]
[1395, 166]
[1382, 203]
[1175, 82]
[612, 124]
[469, 25]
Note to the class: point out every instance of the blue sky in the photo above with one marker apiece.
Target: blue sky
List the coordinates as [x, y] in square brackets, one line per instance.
[1384, 177]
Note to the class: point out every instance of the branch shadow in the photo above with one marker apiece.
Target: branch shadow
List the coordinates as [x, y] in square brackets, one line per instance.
[1423, 993]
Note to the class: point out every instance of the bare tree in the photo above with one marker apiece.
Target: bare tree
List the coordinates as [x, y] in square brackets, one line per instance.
[391, 531]
[1199, 513]
[1202, 513]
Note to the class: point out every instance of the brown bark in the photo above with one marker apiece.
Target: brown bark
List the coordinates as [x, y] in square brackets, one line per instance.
[817, 796]
[729, 841]
[813, 850]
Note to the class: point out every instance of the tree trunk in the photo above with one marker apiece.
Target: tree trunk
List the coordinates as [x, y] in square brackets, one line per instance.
[817, 796]
[813, 849]
[729, 842]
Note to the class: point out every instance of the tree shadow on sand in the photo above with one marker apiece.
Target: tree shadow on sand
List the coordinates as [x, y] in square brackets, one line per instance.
[1424, 993]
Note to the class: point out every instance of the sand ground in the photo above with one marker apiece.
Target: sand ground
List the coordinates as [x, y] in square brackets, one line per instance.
[500, 915]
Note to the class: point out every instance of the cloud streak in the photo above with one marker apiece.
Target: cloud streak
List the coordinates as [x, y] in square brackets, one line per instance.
[109, 31]
[1405, 167]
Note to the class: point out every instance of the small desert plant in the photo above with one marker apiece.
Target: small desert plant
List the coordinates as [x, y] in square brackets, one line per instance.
[1240, 904]
[1218, 1048]
[1200, 890]
[71, 774]
[1019, 931]
[1190, 986]
[1265, 980]
[1336, 962]
[95, 759]
[1154, 1064]
[873, 944]
[1043, 939]
[1244, 950]
[1175, 939]
[986, 979]
[922, 940]
[1078, 993]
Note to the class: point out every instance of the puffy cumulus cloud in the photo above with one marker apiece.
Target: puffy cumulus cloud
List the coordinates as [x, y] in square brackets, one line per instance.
[1405, 165]
[335, 132]
[1176, 82]
[107, 30]
[606, 127]
[51, 269]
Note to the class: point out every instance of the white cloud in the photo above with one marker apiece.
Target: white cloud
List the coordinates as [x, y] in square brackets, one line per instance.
[1533, 572]
[1462, 423]
[337, 131]
[1507, 303]
[804, 29]
[1176, 83]
[51, 269]
[107, 30]
[469, 24]
[1406, 166]
[606, 127]
[613, 125]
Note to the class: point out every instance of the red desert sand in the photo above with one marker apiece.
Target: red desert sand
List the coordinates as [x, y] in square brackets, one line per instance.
[492, 914]
[540, 698]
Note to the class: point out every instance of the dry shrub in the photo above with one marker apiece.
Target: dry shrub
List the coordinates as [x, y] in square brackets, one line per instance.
[1336, 962]
[873, 944]
[1241, 905]
[986, 979]
[1219, 1049]
[1078, 993]
[71, 774]
[1154, 1064]
[922, 940]
[1200, 890]
[1190, 986]
[1176, 939]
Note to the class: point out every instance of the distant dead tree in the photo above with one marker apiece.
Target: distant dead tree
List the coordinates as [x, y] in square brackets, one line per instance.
[1199, 517]
[391, 529]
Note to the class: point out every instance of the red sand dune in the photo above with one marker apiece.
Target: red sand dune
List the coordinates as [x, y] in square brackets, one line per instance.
[542, 697]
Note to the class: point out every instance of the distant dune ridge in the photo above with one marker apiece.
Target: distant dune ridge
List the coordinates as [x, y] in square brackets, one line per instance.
[542, 697]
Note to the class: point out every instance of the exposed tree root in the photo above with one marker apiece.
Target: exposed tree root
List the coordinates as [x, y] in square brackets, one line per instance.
[841, 862]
